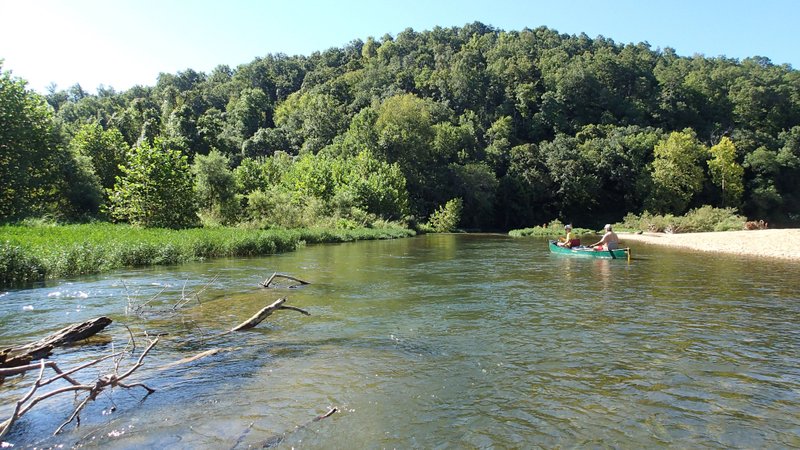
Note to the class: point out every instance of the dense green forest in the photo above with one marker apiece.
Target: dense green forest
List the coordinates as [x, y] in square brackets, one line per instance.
[512, 128]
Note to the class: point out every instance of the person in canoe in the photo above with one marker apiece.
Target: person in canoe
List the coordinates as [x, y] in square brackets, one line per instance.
[568, 241]
[609, 241]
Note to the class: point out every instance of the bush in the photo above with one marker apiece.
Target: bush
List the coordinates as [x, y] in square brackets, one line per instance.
[553, 229]
[446, 218]
[705, 218]
[18, 266]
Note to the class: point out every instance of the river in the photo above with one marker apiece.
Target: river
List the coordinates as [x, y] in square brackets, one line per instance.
[437, 341]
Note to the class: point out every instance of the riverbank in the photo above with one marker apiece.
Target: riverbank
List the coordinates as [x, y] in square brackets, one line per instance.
[36, 253]
[777, 243]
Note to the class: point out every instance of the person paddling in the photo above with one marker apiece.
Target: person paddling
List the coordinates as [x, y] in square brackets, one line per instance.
[609, 241]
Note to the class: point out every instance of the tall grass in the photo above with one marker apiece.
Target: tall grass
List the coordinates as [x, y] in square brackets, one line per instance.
[46, 251]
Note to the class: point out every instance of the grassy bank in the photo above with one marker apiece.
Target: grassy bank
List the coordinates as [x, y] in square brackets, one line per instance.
[35, 253]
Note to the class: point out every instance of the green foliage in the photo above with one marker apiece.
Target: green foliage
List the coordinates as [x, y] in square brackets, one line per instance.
[30, 155]
[677, 175]
[726, 173]
[570, 126]
[275, 207]
[18, 267]
[553, 229]
[155, 189]
[312, 119]
[376, 186]
[215, 187]
[106, 149]
[705, 218]
[315, 176]
[475, 184]
[446, 218]
[36, 253]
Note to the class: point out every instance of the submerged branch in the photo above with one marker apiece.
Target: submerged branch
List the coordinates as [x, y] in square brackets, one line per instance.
[269, 281]
[266, 312]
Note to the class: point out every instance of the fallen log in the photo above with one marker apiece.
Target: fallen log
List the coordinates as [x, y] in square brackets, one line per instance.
[266, 312]
[24, 354]
[266, 283]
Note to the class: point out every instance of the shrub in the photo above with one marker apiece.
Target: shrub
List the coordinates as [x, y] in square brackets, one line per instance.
[553, 229]
[18, 266]
[705, 218]
[446, 218]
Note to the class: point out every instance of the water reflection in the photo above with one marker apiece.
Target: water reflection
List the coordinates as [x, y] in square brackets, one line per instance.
[447, 341]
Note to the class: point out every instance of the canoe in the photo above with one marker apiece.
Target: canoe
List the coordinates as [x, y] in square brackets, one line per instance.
[589, 252]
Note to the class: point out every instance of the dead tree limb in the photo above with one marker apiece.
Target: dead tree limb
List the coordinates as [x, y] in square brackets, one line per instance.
[109, 380]
[266, 312]
[24, 354]
[268, 281]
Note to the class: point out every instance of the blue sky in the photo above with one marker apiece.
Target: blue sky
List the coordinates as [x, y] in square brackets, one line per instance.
[120, 43]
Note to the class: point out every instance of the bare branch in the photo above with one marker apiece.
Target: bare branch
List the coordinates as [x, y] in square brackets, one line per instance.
[268, 281]
[293, 308]
[260, 316]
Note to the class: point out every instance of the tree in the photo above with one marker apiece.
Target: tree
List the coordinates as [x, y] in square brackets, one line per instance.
[246, 114]
[313, 120]
[499, 136]
[573, 180]
[155, 188]
[30, 151]
[676, 172]
[106, 149]
[215, 187]
[726, 173]
[376, 186]
[476, 185]
[526, 194]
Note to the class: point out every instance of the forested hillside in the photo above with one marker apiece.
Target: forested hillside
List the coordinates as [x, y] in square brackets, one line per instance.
[522, 126]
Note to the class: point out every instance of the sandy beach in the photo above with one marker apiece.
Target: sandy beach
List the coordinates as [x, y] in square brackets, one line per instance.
[778, 243]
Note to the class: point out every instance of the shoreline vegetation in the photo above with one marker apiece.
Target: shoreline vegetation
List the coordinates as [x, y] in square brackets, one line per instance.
[30, 254]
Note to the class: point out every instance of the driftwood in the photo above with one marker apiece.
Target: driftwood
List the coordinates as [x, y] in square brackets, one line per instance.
[17, 360]
[24, 354]
[266, 283]
[264, 313]
[110, 380]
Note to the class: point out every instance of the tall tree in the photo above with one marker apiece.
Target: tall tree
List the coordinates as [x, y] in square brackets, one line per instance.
[726, 173]
[676, 172]
[215, 188]
[30, 152]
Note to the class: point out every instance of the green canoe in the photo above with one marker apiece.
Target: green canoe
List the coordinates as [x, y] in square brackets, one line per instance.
[620, 253]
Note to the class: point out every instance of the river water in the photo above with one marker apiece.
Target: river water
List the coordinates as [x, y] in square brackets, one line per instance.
[437, 341]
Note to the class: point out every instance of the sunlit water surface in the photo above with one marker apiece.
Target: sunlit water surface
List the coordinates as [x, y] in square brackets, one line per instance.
[439, 341]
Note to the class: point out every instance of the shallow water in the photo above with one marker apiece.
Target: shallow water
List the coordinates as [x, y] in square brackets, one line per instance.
[440, 341]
